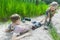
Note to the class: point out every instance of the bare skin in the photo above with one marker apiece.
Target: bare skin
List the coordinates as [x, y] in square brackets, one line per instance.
[16, 38]
[13, 24]
[50, 17]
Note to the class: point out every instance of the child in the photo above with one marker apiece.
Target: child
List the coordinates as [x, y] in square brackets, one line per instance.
[15, 20]
[17, 27]
[50, 12]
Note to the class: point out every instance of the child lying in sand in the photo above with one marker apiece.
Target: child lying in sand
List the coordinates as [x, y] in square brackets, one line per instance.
[15, 18]
[18, 28]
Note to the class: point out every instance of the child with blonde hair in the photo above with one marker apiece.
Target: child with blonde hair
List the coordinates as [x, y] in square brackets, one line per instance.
[50, 12]
[18, 28]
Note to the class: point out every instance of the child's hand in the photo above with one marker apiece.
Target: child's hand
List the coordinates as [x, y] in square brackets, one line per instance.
[7, 30]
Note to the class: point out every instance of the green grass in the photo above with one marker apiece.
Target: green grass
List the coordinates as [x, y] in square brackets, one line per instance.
[53, 33]
[23, 8]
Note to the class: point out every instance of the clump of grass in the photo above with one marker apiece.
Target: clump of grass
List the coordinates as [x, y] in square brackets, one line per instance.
[53, 33]
[24, 8]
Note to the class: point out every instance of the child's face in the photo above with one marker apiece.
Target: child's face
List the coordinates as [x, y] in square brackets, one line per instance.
[52, 8]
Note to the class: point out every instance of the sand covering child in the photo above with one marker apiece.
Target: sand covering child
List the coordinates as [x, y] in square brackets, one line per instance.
[18, 28]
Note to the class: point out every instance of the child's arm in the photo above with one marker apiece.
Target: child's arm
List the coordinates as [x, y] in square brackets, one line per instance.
[14, 36]
[54, 12]
[8, 29]
[24, 35]
[42, 20]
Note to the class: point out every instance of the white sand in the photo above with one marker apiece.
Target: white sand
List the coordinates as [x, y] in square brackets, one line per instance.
[38, 34]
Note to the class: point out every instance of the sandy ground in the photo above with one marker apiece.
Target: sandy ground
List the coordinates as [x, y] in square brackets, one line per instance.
[38, 34]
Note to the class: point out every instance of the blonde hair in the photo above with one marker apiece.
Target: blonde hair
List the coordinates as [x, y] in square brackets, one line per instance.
[54, 4]
[14, 17]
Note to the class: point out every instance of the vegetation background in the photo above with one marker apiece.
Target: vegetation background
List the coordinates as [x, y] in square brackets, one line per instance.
[25, 8]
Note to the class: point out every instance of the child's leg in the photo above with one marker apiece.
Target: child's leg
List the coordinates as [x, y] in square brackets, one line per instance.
[49, 22]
